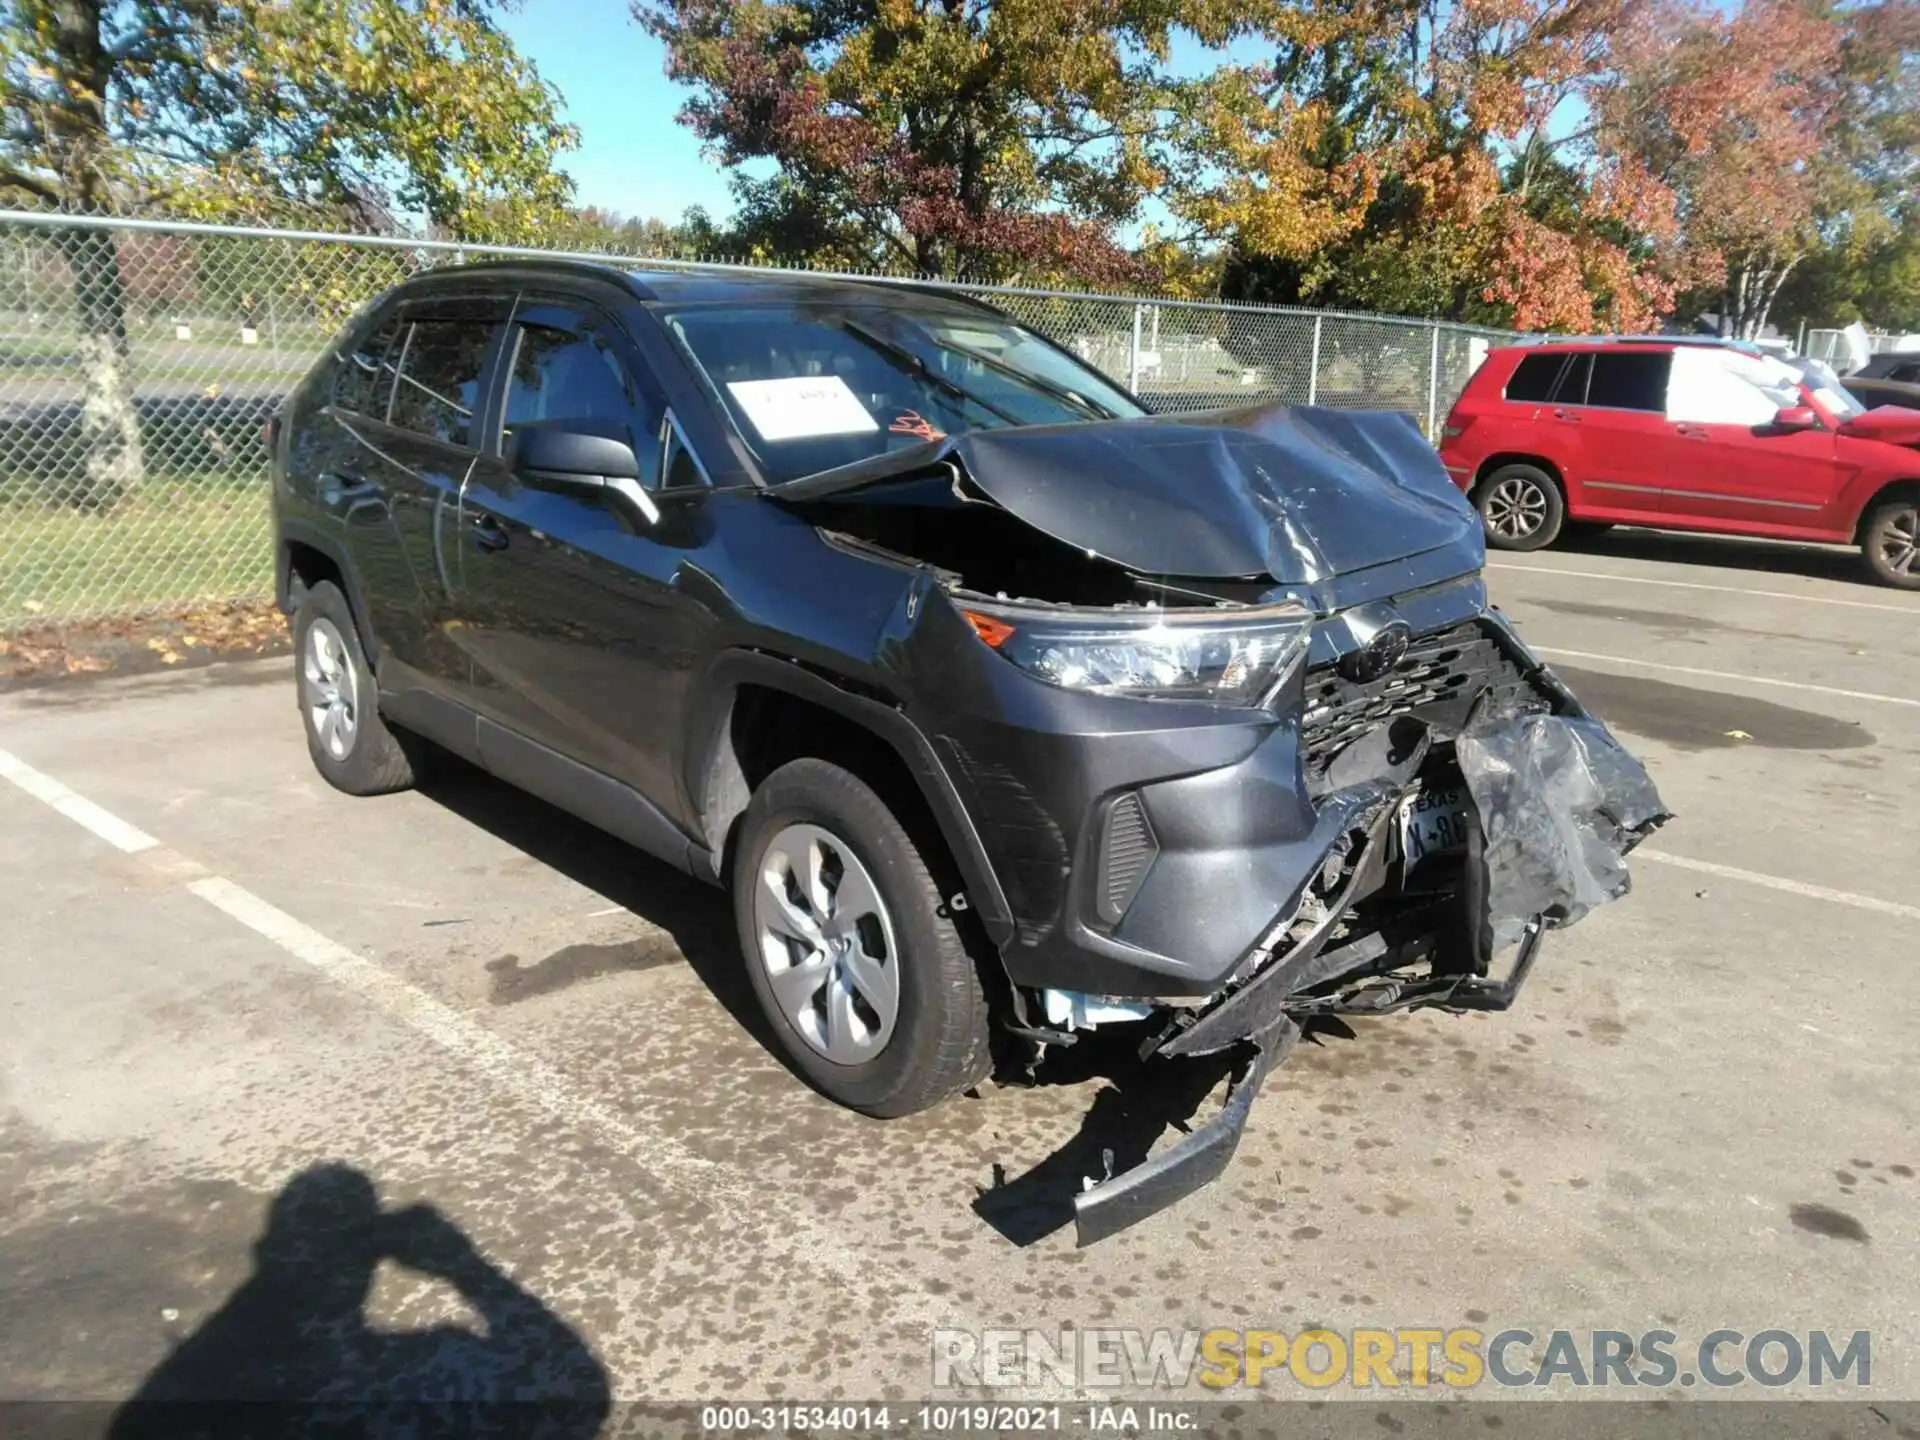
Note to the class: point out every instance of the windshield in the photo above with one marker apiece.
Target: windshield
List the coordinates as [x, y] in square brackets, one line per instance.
[814, 386]
[1826, 389]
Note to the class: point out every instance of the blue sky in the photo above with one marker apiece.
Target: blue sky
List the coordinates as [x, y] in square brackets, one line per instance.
[634, 157]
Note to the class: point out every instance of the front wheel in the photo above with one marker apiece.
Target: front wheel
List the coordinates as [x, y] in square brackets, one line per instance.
[859, 967]
[1891, 543]
[1521, 507]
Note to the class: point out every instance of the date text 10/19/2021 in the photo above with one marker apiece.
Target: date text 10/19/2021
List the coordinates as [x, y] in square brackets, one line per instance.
[937, 1418]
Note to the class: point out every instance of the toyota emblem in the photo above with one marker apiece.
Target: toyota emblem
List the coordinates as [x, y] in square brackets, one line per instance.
[1386, 649]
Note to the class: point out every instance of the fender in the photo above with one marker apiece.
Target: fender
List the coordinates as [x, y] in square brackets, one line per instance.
[313, 537]
[1866, 490]
[717, 795]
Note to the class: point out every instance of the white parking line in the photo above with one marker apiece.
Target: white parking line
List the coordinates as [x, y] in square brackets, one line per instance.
[723, 1186]
[521, 1074]
[83, 812]
[1639, 664]
[512, 1069]
[1913, 610]
[1777, 882]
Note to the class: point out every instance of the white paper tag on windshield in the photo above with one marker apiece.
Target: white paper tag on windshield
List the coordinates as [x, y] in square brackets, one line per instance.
[801, 407]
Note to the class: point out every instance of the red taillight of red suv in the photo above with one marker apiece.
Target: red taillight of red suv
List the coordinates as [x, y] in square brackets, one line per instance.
[1459, 466]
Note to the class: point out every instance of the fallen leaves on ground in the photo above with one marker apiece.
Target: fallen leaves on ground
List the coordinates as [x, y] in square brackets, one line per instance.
[227, 630]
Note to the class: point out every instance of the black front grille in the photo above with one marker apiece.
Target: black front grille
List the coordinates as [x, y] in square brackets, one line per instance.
[1440, 676]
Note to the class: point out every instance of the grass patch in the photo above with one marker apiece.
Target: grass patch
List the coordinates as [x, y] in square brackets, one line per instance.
[175, 541]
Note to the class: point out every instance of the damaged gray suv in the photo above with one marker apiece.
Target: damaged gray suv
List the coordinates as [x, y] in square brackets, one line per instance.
[1003, 708]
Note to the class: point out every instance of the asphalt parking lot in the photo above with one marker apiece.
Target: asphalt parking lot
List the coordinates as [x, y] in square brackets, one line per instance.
[243, 1016]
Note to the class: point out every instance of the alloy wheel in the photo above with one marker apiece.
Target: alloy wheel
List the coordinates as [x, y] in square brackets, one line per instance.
[1900, 541]
[1516, 508]
[827, 943]
[330, 690]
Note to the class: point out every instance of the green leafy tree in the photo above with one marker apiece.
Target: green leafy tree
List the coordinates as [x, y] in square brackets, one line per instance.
[366, 108]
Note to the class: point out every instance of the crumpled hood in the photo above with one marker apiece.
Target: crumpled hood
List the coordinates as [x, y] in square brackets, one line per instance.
[1298, 493]
[1892, 424]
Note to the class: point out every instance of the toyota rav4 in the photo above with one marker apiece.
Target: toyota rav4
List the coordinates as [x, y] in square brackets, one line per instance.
[1003, 709]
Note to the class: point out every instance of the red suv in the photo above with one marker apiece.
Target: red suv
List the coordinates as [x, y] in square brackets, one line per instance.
[1585, 434]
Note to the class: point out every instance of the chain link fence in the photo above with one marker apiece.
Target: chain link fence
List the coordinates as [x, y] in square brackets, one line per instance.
[140, 360]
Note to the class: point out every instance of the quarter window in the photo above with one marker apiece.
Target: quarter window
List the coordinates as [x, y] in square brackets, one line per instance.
[439, 382]
[364, 380]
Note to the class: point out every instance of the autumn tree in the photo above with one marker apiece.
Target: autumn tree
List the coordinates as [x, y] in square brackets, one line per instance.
[221, 106]
[957, 137]
[1866, 262]
[1730, 112]
[1428, 156]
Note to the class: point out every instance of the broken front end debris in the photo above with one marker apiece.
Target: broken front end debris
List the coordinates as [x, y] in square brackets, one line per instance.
[1235, 733]
[1458, 851]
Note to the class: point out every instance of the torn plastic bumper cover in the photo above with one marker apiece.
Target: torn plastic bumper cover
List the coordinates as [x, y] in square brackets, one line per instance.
[1559, 805]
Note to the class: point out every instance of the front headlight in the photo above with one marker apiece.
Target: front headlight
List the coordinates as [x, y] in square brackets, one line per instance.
[1228, 657]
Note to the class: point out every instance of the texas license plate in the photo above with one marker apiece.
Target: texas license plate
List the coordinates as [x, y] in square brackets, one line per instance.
[1434, 822]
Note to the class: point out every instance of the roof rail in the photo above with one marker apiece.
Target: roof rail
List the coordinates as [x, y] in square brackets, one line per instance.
[1723, 342]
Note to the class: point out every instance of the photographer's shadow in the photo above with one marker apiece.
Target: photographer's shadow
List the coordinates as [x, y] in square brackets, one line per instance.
[296, 1334]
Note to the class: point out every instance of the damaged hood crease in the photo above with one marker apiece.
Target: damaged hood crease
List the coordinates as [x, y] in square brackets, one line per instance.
[1299, 494]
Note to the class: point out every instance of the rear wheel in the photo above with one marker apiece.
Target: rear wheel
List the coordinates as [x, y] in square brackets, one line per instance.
[859, 967]
[351, 746]
[1891, 543]
[1521, 508]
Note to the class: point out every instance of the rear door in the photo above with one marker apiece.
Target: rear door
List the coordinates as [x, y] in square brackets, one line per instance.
[575, 617]
[1608, 411]
[1733, 468]
[411, 401]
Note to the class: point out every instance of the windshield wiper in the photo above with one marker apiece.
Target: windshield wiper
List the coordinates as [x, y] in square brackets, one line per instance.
[1028, 378]
[900, 354]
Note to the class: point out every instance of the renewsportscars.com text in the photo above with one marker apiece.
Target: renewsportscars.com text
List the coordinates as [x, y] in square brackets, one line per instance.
[1318, 1359]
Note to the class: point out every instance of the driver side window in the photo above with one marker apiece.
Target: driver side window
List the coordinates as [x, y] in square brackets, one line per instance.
[567, 370]
[1704, 389]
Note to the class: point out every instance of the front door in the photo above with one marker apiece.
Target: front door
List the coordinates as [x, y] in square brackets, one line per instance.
[1612, 400]
[1733, 467]
[572, 611]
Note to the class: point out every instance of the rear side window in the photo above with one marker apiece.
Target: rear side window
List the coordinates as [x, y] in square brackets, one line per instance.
[363, 379]
[1626, 380]
[1533, 377]
[439, 381]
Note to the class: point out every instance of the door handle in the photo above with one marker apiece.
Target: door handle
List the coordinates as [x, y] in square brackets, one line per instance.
[489, 534]
[337, 485]
[1692, 432]
[1566, 415]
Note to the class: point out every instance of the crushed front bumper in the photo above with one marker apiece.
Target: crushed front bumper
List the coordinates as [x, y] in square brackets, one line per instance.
[1202, 1155]
[1557, 804]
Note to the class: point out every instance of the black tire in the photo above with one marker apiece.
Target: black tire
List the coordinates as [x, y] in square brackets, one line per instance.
[366, 758]
[1521, 508]
[939, 1041]
[1890, 541]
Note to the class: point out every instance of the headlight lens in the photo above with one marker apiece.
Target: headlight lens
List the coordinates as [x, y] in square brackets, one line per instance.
[1225, 657]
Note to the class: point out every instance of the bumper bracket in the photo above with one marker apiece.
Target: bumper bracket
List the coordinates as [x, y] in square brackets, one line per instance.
[1198, 1159]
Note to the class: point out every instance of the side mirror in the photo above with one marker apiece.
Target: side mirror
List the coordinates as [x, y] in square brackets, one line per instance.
[1797, 417]
[581, 457]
